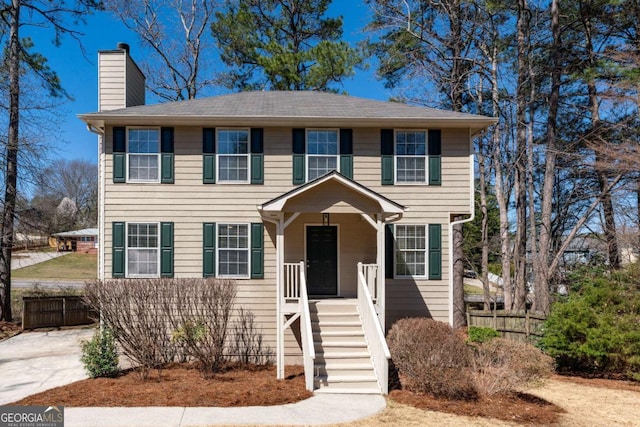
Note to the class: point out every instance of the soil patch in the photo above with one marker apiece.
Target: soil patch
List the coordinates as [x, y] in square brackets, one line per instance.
[181, 385]
[520, 408]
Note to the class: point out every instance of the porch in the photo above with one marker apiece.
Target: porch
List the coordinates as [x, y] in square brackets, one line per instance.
[330, 257]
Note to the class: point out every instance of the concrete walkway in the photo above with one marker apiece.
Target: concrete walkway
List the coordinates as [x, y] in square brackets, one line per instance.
[26, 259]
[36, 361]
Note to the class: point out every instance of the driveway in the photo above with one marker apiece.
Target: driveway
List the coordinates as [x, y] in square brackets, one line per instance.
[25, 259]
[36, 361]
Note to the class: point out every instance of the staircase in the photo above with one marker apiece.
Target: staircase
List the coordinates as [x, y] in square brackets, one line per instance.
[343, 362]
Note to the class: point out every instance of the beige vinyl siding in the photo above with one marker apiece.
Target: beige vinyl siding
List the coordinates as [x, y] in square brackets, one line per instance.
[111, 80]
[135, 84]
[189, 203]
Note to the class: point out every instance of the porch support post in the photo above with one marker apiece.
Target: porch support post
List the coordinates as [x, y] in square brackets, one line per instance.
[281, 320]
[381, 301]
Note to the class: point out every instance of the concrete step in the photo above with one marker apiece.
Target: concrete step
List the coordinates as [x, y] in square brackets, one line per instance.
[342, 383]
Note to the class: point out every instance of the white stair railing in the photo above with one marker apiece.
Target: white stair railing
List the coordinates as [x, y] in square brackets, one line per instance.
[373, 331]
[370, 272]
[308, 349]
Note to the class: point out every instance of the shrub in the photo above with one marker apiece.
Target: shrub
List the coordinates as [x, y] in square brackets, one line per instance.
[482, 334]
[247, 346]
[501, 365]
[157, 321]
[595, 329]
[430, 357]
[99, 354]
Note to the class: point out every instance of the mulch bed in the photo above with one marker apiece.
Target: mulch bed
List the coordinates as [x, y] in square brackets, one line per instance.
[181, 385]
[515, 407]
[8, 329]
[610, 383]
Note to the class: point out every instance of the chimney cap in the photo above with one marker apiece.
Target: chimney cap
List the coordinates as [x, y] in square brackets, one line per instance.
[123, 46]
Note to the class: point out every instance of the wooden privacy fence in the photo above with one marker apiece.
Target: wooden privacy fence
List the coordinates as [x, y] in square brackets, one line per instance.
[515, 325]
[40, 312]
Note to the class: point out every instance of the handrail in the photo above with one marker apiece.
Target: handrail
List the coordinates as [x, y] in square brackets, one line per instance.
[373, 332]
[291, 281]
[308, 350]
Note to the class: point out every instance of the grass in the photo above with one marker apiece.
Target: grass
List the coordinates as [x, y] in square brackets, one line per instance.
[74, 266]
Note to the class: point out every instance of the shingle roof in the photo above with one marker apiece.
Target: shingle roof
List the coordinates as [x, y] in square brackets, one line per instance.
[291, 105]
[78, 233]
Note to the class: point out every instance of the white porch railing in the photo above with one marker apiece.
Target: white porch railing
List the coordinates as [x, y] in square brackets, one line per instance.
[292, 278]
[373, 331]
[370, 272]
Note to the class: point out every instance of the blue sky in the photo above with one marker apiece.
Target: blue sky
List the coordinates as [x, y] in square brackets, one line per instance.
[102, 31]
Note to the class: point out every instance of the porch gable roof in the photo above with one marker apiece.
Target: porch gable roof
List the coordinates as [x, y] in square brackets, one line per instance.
[387, 206]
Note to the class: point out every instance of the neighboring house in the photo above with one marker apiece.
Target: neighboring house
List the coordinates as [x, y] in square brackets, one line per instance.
[296, 195]
[85, 241]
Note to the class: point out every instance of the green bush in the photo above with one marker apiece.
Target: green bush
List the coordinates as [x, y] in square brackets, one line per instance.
[482, 334]
[99, 354]
[431, 357]
[595, 329]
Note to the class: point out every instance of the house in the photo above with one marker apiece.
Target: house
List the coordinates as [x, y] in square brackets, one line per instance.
[85, 241]
[332, 213]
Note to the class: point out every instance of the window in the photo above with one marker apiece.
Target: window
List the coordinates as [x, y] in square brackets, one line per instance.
[411, 250]
[322, 152]
[233, 250]
[411, 156]
[142, 250]
[143, 155]
[233, 155]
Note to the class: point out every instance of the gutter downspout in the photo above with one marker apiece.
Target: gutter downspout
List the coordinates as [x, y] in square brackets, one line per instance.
[462, 221]
[101, 197]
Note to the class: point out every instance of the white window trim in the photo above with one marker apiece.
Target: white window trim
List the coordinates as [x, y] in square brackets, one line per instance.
[144, 181]
[396, 156]
[307, 155]
[126, 242]
[247, 155]
[426, 252]
[218, 249]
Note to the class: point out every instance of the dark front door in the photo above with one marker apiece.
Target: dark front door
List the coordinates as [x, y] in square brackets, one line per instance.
[322, 260]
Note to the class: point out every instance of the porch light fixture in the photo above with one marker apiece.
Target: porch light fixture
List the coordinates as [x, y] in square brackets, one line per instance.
[326, 220]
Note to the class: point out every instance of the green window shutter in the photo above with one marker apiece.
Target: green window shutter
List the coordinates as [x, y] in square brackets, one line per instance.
[386, 156]
[435, 251]
[166, 156]
[257, 156]
[435, 157]
[209, 249]
[257, 250]
[119, 154]
[346, 152]
[298, 149]
[208, 156]
[117, 249]
[166, 249]
[389, 251]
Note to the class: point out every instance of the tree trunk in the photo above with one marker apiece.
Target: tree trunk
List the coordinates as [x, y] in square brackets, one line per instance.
[541, 266]
[11, 172]
[459, 313]
[613, 255]
[520, 250]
